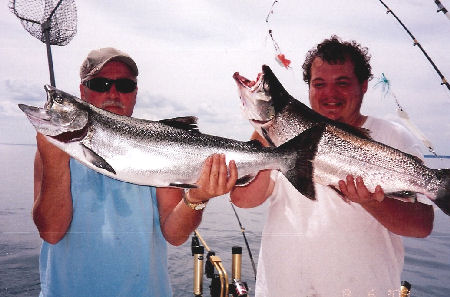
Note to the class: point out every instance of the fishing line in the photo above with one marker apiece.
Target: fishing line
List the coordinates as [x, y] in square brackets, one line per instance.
[202, 240]
[444, 81]
[386, 88]
[280, 57]
[245, 239]
[197, 234]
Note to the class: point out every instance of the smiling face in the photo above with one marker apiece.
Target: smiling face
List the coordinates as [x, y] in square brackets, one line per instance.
[112, 100]
[335, 92]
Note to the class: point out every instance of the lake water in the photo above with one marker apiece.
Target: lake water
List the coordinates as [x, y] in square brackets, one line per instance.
[427, 261]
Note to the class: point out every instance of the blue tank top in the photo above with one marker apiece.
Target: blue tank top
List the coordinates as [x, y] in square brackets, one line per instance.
[114, 246]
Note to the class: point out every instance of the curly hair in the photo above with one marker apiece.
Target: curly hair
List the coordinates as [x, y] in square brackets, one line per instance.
[336, 51]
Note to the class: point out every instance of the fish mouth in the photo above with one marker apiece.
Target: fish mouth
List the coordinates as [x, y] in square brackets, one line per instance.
[53, 123]
[252, 85]
[256, 101]
[261, 122]
[35, 114]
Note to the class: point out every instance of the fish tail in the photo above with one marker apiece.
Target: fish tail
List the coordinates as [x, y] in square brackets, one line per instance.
[443, 195]
[303, 149]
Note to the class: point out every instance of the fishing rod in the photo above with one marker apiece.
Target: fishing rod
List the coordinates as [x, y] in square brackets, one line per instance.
[245, 239]
[442, 8]
[444, 81]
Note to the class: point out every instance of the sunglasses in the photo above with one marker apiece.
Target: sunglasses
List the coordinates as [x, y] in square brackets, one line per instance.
[101, 84]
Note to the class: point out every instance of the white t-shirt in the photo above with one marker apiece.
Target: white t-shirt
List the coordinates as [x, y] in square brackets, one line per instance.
[328, 247]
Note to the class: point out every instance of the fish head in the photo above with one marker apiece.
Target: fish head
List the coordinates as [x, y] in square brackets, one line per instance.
[256, 102]
[62, 113]
[261, 99]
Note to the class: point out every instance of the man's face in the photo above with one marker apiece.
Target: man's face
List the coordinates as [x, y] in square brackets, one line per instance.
[335, 92]
[112, 100]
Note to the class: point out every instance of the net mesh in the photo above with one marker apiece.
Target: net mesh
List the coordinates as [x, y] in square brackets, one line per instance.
[57, 16]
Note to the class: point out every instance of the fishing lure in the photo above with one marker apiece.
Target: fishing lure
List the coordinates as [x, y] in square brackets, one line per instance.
[386, 89]
[280, 57]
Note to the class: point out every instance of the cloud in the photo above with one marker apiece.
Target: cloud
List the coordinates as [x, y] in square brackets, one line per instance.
[211, 119]
[14, 92]
[187, 52]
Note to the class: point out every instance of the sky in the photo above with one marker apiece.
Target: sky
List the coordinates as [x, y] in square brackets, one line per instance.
[187, 52]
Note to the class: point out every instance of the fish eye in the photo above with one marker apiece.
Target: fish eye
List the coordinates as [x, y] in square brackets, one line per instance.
[58, 99]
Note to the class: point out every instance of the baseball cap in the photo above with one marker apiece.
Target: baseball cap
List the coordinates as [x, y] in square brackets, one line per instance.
[96, 59]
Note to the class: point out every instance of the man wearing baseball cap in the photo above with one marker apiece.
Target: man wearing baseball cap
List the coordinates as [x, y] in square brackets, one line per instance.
[104, 237]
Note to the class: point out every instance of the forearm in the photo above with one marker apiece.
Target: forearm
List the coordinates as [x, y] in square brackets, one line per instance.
[180, 223]
[259, 188]
[254, 193]
[52, 209]
[177, 219]
[402, 218]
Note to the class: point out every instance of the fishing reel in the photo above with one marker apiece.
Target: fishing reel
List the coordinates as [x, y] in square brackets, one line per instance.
[214, 270]
[238, 288]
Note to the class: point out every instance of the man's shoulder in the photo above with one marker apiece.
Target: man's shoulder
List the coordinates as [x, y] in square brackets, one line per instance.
[383, 126]
[393, 134]
[374, 122]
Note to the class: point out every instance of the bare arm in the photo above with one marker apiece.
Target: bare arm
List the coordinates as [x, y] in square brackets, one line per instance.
[52, 209]
[402, 218]
[258, 190]
[178, 220]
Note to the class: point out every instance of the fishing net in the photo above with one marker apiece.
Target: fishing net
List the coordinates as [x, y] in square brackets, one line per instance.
[57, 17]
[52, 22]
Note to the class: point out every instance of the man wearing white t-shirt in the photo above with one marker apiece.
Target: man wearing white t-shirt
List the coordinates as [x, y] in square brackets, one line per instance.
[335, 246]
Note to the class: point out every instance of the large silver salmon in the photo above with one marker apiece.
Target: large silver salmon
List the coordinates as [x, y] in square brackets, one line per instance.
[338, 149]
[165, 153]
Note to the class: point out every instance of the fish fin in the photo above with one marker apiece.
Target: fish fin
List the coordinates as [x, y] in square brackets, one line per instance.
[416, 159]
[276, 89]
[304, 147]
[285, 100]
[334, 188]
[246, 179]
[255, 143]
[96, 160]
[184, 186]
[358, 131]
[188, 123]
[72, 136]
[443, 196]
[267, 137]
[403, 195]
[306, 187]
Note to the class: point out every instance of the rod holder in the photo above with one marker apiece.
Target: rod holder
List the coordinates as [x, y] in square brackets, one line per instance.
[198, 252]
[237, 287]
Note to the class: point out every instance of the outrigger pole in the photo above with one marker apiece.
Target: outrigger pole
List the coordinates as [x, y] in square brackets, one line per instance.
[444, 81]
[442, 8]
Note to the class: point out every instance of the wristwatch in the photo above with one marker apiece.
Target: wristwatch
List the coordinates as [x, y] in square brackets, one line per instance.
[194, 205]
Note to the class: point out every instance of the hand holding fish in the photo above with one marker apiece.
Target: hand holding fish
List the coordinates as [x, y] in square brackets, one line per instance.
[177, 220]
[214, 180]
[356, 191]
